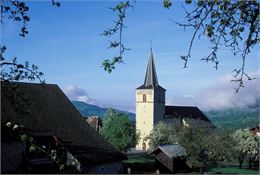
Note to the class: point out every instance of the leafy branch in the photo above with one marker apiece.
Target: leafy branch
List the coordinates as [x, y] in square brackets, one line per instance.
[17, 11]
[33, 146]
[56, 3]
[11, 70]
[233, 24]
[120, 10]
[14, 71]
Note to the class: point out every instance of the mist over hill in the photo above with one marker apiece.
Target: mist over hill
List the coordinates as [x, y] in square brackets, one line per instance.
[231, 118]
[236, 118]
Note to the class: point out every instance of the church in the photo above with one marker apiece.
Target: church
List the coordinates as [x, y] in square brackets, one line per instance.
[151, 108]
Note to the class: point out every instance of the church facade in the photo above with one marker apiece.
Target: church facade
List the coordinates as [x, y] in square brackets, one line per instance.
[150, 107]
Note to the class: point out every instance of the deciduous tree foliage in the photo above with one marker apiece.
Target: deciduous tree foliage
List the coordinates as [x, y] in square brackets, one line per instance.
[247, 146]
[119, 130]
[196, 143]
[221, 147]
[201, 144]
[162, 134]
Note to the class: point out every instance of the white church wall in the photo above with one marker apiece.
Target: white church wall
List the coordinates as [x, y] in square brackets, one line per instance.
[144, 114]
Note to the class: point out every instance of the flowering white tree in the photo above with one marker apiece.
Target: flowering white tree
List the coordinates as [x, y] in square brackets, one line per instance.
[247, 145]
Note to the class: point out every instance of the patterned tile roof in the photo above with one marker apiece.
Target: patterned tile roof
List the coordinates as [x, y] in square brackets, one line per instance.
[51, 112]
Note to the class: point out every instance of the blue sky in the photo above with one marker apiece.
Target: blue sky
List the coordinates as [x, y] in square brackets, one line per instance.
[66, 45]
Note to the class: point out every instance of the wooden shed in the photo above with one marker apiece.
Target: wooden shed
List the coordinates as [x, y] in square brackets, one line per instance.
[170, 159]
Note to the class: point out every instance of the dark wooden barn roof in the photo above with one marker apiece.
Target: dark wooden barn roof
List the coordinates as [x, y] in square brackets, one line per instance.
[191, 112]
[51, 113]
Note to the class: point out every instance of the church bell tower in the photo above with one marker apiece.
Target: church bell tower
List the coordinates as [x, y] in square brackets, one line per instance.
[150, 104]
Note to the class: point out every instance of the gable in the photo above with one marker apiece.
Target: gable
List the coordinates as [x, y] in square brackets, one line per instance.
[51, 113]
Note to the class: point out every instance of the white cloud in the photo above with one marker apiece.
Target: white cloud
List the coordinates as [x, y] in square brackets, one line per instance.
[75, 93]
[218, 96]
[222, 94]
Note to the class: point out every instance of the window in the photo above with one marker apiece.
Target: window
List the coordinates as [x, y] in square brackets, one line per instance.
[144, 97]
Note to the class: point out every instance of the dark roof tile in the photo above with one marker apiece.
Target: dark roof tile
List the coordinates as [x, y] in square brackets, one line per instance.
[52, 112]
[185, 112]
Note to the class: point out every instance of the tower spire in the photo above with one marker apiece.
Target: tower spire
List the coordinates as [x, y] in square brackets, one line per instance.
[151, 75]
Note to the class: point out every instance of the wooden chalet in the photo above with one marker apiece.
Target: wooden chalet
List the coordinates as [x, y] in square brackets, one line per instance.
[50, 118]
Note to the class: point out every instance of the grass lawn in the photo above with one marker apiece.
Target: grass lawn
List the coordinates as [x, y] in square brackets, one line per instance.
[234, 170]
[141, 159]
[140, 164]
[143, 163]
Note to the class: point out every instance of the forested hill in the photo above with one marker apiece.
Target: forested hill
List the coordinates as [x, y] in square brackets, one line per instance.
[236, 118]
[88, 109]
[233, 118]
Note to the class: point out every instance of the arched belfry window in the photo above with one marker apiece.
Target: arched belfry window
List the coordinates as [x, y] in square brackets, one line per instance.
[144, 97]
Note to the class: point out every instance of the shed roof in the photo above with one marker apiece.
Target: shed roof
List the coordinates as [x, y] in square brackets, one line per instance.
[51, 112]
[171, 151]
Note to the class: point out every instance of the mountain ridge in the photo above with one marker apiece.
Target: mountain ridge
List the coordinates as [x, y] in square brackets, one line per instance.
[231, 118]
[236, 118]
[88, 109]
